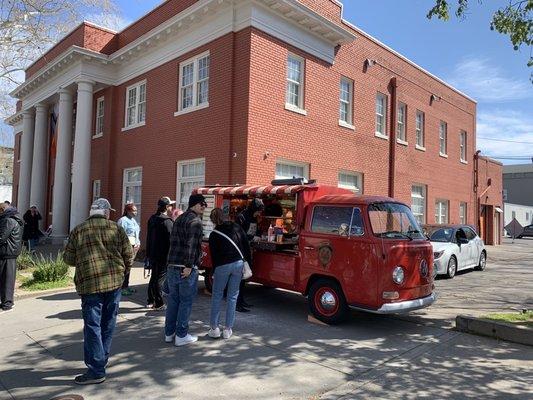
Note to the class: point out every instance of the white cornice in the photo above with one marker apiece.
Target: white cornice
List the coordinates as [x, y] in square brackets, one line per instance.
[14, 119]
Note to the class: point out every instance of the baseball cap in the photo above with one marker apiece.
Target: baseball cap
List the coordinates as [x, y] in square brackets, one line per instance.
[165, 201]
[101, 204]
[197, 199]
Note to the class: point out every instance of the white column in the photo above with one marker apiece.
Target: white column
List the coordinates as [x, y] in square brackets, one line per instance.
[26, 160]
[62, 172]
[81, 173]
[39, 171]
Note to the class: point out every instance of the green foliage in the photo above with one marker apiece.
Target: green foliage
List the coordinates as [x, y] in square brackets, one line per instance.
[31, 285]
[50, 270]
[26, 260]
[525, 318]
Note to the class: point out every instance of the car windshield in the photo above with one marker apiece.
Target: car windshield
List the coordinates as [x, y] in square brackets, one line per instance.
[394, 221]
[442, 235]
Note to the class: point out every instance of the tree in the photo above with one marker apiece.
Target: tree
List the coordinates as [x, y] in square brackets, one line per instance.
[514, 20]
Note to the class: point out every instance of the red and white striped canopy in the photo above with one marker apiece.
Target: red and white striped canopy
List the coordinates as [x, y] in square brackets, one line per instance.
[256, 191]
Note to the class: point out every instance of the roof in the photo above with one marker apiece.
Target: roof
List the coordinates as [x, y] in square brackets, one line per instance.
[355, 199]
[518, 168]
[254, 190]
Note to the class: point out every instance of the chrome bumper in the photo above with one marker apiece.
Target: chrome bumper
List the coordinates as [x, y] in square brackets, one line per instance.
[401, 306]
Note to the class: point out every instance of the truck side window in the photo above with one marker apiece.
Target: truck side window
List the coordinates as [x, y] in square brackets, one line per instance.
[331, 220]
[357, 228]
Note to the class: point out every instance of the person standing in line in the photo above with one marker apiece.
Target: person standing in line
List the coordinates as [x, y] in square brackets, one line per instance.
[133, 230]
[11, 228]
[157, 246]
[229, 247]
[31, 227]
[182, 271]
[102, 254]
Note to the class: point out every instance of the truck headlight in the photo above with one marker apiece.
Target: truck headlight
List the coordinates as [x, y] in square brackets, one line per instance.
[398, 275]
[438, 254]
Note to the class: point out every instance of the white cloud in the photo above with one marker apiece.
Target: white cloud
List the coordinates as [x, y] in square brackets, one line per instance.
[483, 81]
[111, 21]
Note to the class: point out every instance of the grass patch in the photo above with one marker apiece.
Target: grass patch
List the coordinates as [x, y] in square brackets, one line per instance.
[31, 285]
[522, 318]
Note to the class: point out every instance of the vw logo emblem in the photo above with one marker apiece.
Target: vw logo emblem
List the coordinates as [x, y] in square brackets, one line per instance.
[424, 270]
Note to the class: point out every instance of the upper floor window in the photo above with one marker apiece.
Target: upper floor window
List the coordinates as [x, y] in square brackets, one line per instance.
[346, 102]
[99, 123]
[443, 138]
[295, 82]
[402, 115]
[351, 180]
[420, 142]
[194, 83]
[462, 144]
[136, 105]
[381, 118]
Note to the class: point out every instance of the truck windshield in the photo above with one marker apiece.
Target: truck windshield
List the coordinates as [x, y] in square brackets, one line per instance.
[394, 221]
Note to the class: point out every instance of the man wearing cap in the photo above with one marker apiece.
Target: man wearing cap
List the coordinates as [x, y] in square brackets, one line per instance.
[101, 252]
[157, 246]
[182, 273]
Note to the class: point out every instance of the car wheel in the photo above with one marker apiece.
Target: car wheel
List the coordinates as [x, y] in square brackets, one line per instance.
[327, 302]
[482, 261]
[452, 267]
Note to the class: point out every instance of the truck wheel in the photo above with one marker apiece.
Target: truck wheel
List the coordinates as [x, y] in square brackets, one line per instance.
[327, 302]
[208, 280]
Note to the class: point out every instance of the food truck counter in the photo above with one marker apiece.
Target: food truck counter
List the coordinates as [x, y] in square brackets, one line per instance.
[286, 245]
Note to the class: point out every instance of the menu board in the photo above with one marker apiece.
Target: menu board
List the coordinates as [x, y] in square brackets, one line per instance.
[206, 221]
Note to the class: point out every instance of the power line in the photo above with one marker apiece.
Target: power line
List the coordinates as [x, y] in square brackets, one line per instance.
[503, 140]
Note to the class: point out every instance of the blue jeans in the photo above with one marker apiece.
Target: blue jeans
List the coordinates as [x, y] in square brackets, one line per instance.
[230, 275]
[99, 319]
[182, 292]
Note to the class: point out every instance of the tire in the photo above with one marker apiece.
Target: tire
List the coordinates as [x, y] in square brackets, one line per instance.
[451, 270]
[208, 280]
[327, 302]
[482, 261]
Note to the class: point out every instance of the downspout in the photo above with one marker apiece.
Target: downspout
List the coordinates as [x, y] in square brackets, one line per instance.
[392, 136]
[477, 205]
[232, 104]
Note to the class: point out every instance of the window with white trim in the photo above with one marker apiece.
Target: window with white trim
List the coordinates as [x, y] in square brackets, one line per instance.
[462, 144]
[402, 115]
[441, 211]
[191, 174]
[381, 117]
[346, 101]
[420, 142]
[136, 105]
[99, 123]
[443, 138]
[418, 202]
[351, 180]
[462, 213]
[291, 169]
[295, 82]
[96, 189]
[132, 189]
[194, 83]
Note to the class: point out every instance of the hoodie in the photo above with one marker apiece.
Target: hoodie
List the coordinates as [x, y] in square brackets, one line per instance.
[11, 229]
[158, 238]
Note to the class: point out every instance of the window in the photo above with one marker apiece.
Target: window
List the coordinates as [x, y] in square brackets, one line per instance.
[381, 120]
[290, 169]
[191, 174]
[18, 146]
[470, 234]
[420, 143]
[99, 124]
[194, 83]
[462, 143]
[96, 189]
[343, 221]
[132, 189]
[441, 211]
[443, 138]
[295, 83]
[351, 180]
[462, 213]
[418, 202]
[346, 102]
[402, 115]
[136, 105]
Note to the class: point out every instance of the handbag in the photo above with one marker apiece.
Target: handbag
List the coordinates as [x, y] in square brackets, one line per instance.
[246, 270]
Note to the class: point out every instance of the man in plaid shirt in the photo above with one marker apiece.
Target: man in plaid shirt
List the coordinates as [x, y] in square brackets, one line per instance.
[101, 252]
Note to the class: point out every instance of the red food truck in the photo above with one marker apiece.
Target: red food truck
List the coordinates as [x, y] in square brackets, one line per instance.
[339, 249]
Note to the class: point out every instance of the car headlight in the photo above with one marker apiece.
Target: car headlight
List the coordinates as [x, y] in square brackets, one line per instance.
[398, 275]
[438, 254]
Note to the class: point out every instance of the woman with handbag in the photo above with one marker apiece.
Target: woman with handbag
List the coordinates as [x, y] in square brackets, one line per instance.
[231, 255]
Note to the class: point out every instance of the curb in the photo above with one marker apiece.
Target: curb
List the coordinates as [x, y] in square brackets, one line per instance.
[495, 329]
[29, 295]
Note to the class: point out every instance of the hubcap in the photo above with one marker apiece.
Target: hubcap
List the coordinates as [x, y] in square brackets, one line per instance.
[452, 268]
[483, 261]
[328, 301]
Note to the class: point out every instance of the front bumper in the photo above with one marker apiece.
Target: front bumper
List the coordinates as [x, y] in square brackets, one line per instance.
[441, 265]
[401, 306]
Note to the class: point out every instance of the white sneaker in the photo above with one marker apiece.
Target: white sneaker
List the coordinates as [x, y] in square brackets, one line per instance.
[226, 333]
[214, 333]
[182, 341]
[169, 339]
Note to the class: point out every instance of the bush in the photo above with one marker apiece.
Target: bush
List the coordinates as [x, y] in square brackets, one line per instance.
[50, 270]
[26, 260]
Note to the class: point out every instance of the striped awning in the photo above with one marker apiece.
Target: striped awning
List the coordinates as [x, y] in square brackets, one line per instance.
[255, 191]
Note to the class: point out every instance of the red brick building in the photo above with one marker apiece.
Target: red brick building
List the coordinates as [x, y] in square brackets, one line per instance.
[239, 92]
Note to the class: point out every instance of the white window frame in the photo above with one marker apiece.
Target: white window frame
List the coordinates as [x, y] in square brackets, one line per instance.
[443, 139]
[422, 196]
[348, 122]
[188, 179]
[126, 184]
[401, 123]
[99, 120]
[358, 188]
[300, 107]
[383, 116]
[137, 86]
[440, 216]
[97, 186]
[463, 146]
[195, 62]
[420, 122]
[463, 216]
[282, 161]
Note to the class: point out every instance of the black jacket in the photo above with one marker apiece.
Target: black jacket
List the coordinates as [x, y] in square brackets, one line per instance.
[222, 251]
[31, 227]
[158, 238]
[11, 228]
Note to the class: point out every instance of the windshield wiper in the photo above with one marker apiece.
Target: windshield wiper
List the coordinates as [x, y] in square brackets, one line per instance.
[405, 235]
